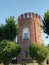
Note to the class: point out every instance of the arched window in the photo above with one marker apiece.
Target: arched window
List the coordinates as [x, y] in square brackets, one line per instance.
[26, 33]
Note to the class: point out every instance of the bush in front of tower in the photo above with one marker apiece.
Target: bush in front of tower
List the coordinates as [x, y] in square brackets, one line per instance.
[38, 52]
[8, 50]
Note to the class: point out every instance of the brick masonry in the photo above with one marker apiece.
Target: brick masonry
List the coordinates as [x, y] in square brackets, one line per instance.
[33, 22]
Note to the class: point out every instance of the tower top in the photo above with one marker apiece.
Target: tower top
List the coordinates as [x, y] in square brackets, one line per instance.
[29, 15]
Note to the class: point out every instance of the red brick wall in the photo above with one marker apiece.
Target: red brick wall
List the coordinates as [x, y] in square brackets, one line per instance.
[33, 22]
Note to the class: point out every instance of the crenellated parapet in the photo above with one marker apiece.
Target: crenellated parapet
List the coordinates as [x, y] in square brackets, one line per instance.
[29, 15]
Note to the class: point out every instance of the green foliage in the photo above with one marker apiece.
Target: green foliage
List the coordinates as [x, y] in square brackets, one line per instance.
[48, 50]
[1, 32]
[38, 52]
[23, 63]
[8, 50]
[48, 46]
[9, 30]
[46, 22]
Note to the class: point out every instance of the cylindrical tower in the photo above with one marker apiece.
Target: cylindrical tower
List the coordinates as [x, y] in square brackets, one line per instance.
[29, 32]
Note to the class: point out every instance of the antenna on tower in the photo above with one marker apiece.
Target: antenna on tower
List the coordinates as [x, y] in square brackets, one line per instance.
[25, 8]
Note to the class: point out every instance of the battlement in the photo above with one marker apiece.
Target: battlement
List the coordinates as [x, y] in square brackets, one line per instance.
[29, 15]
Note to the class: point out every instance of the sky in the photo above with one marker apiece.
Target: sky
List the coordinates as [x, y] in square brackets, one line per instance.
[17, 7]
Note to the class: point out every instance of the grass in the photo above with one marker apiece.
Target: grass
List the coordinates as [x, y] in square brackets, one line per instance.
[20, 64]
[27, 64]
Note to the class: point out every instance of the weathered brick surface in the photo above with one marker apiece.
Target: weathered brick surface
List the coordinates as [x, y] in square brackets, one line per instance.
[33, 22]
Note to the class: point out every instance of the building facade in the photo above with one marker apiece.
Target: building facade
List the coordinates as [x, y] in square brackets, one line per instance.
[29, 32]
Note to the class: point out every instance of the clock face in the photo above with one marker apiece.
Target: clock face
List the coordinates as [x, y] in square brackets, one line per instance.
[26, 34]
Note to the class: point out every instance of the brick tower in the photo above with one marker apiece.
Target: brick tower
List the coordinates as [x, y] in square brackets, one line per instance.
[29, 32]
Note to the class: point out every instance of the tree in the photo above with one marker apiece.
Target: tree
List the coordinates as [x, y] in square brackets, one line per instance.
[46, 22]
[48, 49]
[2, 29]
[8, 50]
[9, 30]
[38, 52]
[48, 46]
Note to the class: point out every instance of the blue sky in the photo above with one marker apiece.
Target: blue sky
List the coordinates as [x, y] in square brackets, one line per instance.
[17, 7]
